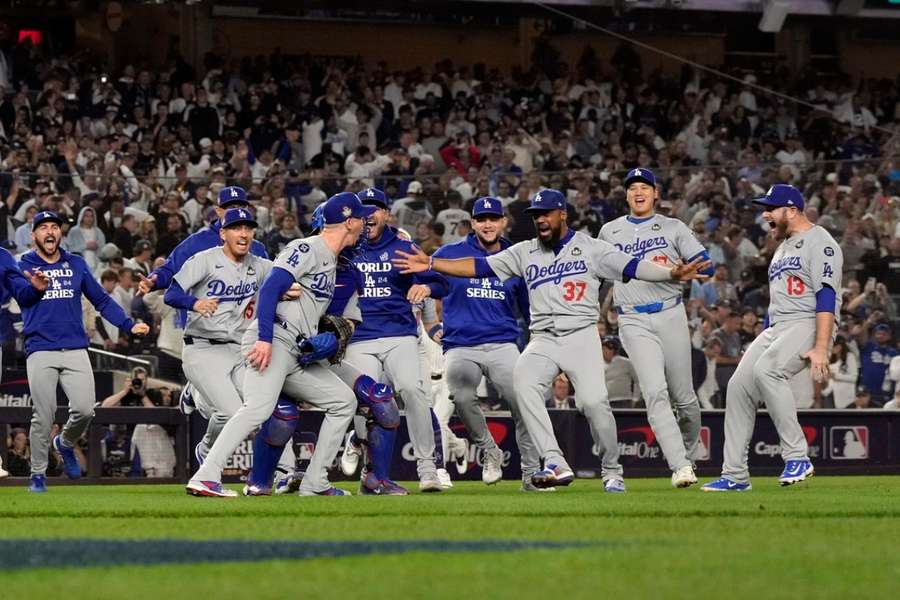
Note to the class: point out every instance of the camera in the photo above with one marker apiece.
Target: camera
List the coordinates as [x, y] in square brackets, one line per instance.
[137, 382]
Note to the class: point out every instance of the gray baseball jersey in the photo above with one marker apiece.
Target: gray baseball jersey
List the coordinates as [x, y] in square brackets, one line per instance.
[564, 289]
[211, 275]
[313, 265]
[658, 239]
[801, 266]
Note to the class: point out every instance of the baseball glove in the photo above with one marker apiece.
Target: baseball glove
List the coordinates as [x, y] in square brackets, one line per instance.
[342, 328]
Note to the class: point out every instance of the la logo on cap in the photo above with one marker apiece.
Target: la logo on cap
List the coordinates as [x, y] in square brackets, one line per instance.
[242, 214]
[370, 193]
[537, 198]
[346, 211]
[487, 203]
[637, 173]
[234, 193]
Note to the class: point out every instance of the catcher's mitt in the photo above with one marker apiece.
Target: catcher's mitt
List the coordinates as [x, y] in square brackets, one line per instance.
[342, 328]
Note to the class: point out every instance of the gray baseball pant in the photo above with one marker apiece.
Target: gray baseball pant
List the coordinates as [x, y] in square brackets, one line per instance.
[464, 369]
[315, 384]
[659, 347]
[396, 360]
[579, 356]
[762, 377]
[71, 369]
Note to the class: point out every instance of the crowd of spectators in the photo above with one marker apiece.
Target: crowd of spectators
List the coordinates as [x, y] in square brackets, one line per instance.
[134, 160]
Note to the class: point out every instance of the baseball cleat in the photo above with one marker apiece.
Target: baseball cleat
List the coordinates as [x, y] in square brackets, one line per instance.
[614, 485]
[331, 491]
[209, 489]
[459, 453]
[429, 482]
[726, 485]
[3, 472]
[37, 484]
[252, 489]
[444, 477]
[351, 454]
[552, 476]
[796, 471]
[186, 400]
[70, 462]
[492, 471]
[684, 477]
[290, 483]
[527, 486]
[370, 486]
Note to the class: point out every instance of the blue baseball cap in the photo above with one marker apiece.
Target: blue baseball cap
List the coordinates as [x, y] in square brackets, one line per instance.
[235, 216]
[232, 195]
[43, 216]
[343, 206]
[373, 197]
[547, 200]
[640, 174]
[781, 195]
[487, 206]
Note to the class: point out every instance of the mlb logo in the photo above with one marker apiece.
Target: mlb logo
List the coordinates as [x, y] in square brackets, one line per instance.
[703, 444]
[849, 443]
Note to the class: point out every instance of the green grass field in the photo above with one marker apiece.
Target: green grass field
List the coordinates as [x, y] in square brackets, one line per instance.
[831, 537]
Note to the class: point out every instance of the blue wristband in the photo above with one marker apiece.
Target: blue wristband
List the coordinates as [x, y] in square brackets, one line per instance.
[435, 329]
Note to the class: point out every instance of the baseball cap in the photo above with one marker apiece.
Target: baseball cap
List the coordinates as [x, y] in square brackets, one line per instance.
[232, 195]
[781, 195]
[46, 215]
[640, 174]
[547, 200]
[882, 327]
[487, 206]
[343, 206]
[142, 245]
[236, 216]
[414, 188]
[373, 197]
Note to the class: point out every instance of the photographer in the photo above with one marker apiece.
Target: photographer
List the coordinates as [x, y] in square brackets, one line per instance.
[133, 394]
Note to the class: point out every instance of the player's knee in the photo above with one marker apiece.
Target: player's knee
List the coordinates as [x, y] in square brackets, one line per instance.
[378, 399]
[656, 397]
[765, 368]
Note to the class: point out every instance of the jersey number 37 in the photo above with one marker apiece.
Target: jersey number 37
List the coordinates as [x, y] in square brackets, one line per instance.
[573, 291]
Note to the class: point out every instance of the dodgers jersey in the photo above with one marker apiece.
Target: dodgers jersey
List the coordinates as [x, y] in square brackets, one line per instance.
[564, 287]
[312, 264]
[212, 275]
[801, 266]
[660, 239]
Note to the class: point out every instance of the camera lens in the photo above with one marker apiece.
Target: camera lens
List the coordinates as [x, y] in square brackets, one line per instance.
[137, 382]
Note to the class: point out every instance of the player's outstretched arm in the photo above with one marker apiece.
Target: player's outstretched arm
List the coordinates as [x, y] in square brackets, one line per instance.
[419, 262]
[646, 270]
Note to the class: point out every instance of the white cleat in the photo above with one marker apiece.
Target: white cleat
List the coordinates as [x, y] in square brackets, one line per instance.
[492, 472]
[684, 477]
[351, 454]
[209, 489]
[430, 483]
[458, 449]
[3, 472]
[444, 478]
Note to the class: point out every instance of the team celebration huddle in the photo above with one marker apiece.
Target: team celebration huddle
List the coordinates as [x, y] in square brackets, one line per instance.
[342, 321]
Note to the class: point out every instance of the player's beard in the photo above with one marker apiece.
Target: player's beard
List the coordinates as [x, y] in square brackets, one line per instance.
[551, 242]
[485, 242]
[47, 249]
[779, 229]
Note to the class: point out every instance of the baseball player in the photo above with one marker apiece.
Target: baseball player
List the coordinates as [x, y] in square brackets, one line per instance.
[377, 411]
[218, 288]
[653, 324]
[274, 343]
[27, 288]
[804, 279]
[479, 339]
[161, 278]
[385, 343]
[56, 346]
[563, 271]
